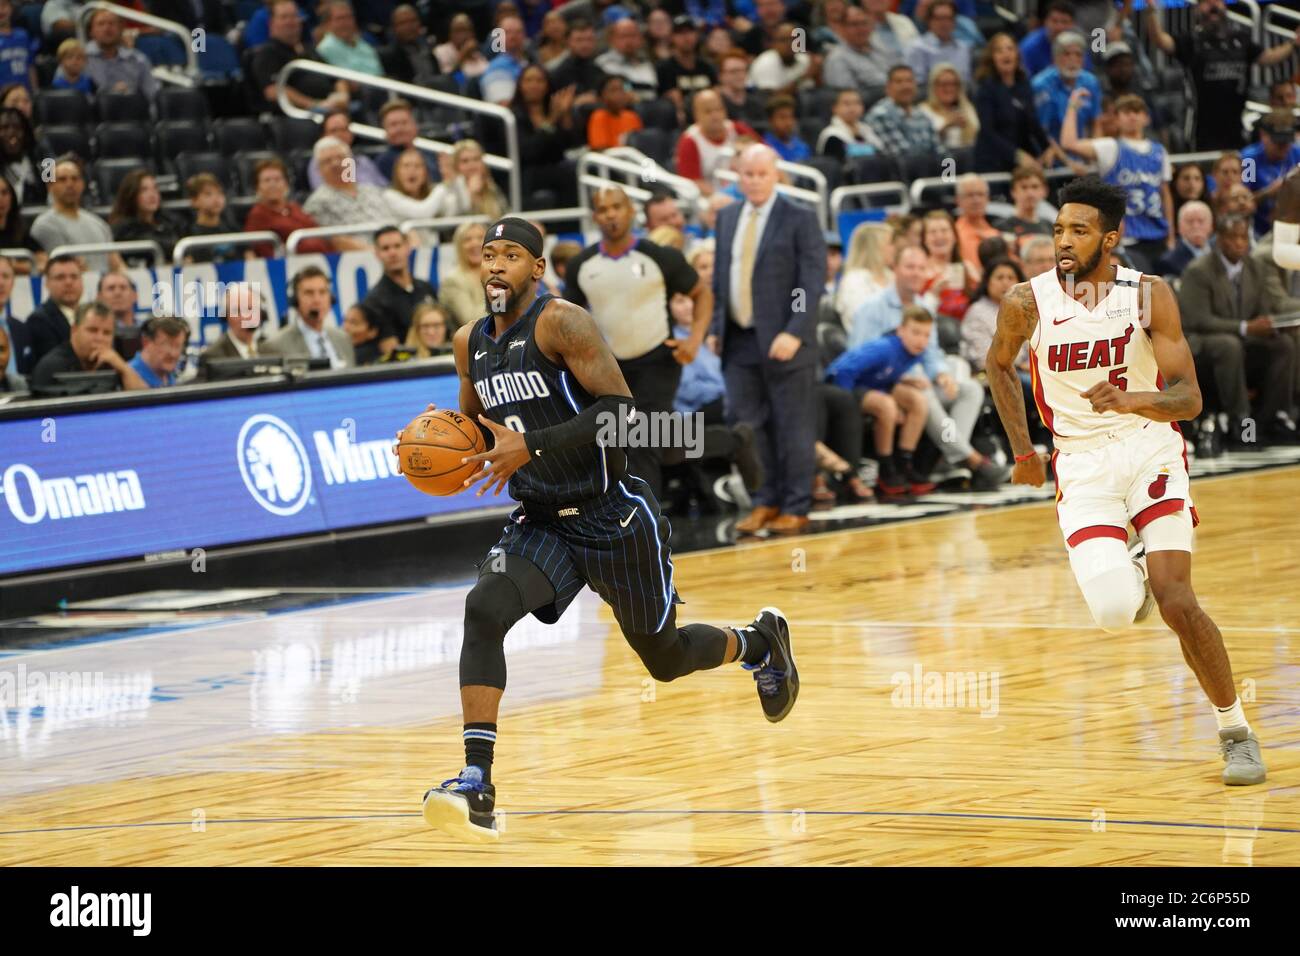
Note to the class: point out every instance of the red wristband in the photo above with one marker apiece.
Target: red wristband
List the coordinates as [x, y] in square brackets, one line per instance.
[1020, 458]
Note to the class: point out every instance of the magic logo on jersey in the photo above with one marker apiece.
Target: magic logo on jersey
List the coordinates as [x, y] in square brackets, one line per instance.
[503, 387]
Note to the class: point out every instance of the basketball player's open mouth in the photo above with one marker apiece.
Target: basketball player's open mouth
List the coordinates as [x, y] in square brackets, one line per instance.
[1065, 261]
[497, 284]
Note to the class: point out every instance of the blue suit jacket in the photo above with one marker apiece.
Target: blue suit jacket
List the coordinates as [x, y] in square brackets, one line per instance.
[791, 256]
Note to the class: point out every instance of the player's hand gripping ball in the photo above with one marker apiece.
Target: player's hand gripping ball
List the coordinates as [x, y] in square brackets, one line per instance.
[431, 448]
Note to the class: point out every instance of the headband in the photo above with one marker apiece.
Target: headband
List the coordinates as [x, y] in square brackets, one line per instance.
[514, 229]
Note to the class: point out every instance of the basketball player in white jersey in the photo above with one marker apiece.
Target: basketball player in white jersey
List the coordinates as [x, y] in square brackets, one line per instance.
[1286, 223]
[1112, 376]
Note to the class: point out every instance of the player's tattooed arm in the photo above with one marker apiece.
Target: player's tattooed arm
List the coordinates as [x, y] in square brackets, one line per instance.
[567, 334]
[1017, 318]
[1181, 399]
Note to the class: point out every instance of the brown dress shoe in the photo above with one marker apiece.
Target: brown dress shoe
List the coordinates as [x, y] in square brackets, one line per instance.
[788, 524]
[757, 520]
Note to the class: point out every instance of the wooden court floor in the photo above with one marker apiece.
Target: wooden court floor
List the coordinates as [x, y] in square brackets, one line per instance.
[958, 708]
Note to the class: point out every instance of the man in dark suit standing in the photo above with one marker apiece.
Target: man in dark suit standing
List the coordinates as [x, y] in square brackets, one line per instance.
[51, 324]
[769, 275]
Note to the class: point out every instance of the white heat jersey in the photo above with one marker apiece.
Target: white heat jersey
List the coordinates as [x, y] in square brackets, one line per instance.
[1073, 349]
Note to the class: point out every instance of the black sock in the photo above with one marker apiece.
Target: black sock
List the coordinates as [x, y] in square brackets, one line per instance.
[753, 645]
[904, 459]
[480, 741]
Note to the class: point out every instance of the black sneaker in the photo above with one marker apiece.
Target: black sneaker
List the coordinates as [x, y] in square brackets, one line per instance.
[776, 675]
[463, 806]
[989, 476]
[890, 482]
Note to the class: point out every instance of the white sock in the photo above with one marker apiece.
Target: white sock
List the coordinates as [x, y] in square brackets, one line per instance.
[1230, 718]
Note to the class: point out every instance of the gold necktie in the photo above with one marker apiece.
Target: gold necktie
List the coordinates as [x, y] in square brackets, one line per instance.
[748, 244]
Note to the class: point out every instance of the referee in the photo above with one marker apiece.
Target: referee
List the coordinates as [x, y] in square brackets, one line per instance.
[626, 284]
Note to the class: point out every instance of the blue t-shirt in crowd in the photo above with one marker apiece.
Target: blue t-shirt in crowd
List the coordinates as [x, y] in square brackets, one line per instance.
[1051, 96]
[1266, 173]
[793, 151]
[16, 53]
[877, 365]
[151, 379]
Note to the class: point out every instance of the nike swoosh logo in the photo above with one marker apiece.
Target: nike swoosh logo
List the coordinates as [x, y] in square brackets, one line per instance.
[1062, 321]
[623, 523]
[479, 355]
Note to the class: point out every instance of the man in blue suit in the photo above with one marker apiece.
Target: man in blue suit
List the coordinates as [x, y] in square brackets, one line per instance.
[769, 275]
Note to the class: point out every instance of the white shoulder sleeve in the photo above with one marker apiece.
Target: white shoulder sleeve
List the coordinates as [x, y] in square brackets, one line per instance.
[1286, 244]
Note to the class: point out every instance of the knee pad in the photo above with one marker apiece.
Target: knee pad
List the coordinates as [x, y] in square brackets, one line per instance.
[1111, 583]
[664, 654]
[492, 607]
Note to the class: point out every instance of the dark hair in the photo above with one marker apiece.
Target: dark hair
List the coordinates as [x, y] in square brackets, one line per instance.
[99, 287]
[517, 101]
[29, 138]
[1061, 6]
[87, 309]
[941, 3]
[368, 314]
[982, 290]
[1109, 201]
[126, 204]
[385, 230]
[916, 313]
[1231, 221]
[607, 79]
[778, 102]
[985, 70]
[13, 230]
[897, 67]
[990, 249]
[53, 261]
[307, 272]
[580, 23]
[164, 325]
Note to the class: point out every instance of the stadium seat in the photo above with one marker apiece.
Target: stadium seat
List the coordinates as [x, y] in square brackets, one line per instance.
[810, 127]
[122, 140]
[162, 49]
[244, 164]
[292, 134]
[189, 164]
[122, 107]
[62, 108]
[581, 116]
[817, 103]
[109, 173]
[66, 139]
[218, 61]
[655, 143]
[174, 137]
[660, 114]
[831, 168]
[238, 134]
[180, 103]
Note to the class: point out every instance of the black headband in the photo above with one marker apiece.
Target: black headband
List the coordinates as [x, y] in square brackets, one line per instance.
[514, 229]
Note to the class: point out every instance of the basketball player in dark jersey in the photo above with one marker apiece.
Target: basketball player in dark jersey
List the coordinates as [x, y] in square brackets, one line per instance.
[539, 378]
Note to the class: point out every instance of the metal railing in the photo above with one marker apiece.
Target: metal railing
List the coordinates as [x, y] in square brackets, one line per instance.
[328, 232]
[226, 239]
[1270, 29]
[540, 215]
[802, 170]
[627, 162]
[509, 163]
[96, 248]
[810, 196]
[127, 13]
[20, 253]
[838, 196]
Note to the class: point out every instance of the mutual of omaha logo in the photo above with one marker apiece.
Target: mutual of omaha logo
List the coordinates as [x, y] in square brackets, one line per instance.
[274, 465]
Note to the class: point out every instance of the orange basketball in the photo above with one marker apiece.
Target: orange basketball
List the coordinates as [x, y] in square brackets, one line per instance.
[430, 450]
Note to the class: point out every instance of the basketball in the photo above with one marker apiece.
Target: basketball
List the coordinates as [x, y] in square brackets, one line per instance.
[431, 447]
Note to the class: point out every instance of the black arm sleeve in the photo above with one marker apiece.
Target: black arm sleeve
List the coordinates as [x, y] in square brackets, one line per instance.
[581, 429]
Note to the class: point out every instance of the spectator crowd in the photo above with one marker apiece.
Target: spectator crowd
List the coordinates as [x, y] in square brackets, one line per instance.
[989, 114]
